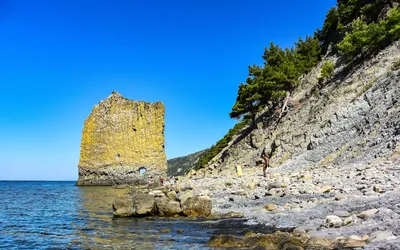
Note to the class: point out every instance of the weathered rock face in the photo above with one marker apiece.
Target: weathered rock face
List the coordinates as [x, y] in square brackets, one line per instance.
[122, 139]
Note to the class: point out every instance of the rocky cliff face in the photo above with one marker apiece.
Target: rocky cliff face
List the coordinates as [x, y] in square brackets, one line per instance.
[353, 118]
[122, 142]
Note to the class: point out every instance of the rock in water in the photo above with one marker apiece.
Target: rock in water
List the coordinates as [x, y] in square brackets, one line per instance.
[122, 142]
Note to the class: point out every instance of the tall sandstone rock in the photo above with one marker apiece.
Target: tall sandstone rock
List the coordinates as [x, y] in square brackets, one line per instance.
[121, 140]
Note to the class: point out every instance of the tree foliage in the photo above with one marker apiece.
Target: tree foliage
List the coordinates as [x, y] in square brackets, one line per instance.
[364, 37]
[267, 84]
[361, 37]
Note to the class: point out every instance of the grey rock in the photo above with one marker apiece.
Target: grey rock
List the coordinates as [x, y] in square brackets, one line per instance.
[381, 236]
[341, 213]
[333, 221]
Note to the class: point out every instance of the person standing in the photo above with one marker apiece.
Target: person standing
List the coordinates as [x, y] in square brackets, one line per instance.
[266, 156]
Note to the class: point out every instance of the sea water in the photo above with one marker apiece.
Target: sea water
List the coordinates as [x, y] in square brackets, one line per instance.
[59, 215]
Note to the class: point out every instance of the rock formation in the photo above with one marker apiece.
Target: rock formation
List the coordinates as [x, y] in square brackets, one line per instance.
[122, 142]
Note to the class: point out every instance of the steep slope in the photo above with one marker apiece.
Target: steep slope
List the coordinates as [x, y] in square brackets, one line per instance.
[353, 117]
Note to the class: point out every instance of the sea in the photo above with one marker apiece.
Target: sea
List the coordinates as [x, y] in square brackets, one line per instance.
[59, 215]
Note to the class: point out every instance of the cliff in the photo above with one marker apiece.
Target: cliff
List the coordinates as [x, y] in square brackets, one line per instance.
[121, 140]
[351, 118]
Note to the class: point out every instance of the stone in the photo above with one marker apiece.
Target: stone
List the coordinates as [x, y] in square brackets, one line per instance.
[157, 193]
[171, 194]
[306, 177]
[252, 186]
[339, 197]
[299, 231]
[167, 207]
[319, 243]
[197, 206]
[381, 236]
[123, 207]
[349, 243]
[277, 240]
[270, 207]
[180, 231]
[165, 231]
[121, 140]
[341, 213]
[333, 221]
[348, 220]
[367, 214]
[378, 189]
[233, 215]
[183, 196]
[143, 204]
[270, 193]
[275, 184]
[325, 189]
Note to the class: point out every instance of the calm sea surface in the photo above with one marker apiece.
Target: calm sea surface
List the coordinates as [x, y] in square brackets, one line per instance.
[58, 215]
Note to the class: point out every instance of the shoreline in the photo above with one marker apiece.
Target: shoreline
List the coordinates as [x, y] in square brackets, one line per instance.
[325, 201]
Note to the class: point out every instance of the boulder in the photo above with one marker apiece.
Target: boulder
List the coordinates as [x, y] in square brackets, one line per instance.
[171, 195]
[183, 196]
[197, 206]
[143, 204]
[123, 207]
[349, 243]
[333, 221]
[167, 207]
[367, 214]
[319, 243]
[381, 236]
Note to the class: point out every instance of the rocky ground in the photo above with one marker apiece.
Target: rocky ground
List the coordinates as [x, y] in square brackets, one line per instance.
[336, 166]
[358, 201]
[336, 159]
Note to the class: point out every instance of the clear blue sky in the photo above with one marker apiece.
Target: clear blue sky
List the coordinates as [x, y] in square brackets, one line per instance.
[60, 58]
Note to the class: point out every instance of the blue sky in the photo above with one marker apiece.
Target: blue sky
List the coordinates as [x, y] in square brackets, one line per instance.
[60, 58]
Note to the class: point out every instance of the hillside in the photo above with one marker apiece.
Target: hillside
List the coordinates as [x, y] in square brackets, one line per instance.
[181, 165]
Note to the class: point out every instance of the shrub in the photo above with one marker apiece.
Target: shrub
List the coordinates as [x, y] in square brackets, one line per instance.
[392, 24]
[327, 69]
[361, 38]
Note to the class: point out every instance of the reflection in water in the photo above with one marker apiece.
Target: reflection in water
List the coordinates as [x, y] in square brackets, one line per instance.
[96, 228]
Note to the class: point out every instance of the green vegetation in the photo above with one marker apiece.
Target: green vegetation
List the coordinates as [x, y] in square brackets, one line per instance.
[266, 85]
[366, 37]
[362, 37]
[351, 28]
[327, 69]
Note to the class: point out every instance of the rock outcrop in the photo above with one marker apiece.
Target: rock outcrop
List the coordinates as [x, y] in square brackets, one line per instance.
[155, 202]
[122, 142]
